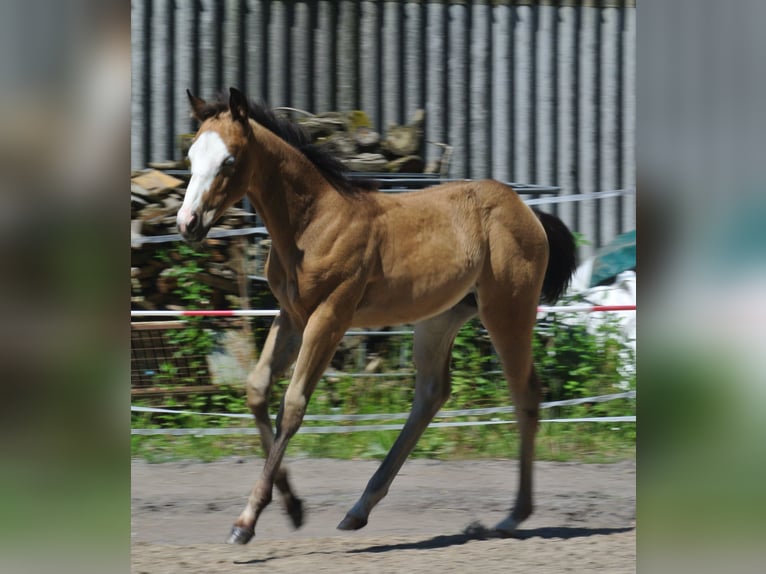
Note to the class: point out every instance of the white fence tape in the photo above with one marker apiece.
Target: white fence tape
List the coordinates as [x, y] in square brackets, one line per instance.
[581, 197]
[363, 428]
[382, 416]
[580, 308]
[399, 416]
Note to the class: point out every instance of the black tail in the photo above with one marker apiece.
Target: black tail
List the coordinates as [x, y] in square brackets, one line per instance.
[562, 260]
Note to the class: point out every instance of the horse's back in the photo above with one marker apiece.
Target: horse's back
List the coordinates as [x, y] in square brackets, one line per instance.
[463, 195]
[433, 245]
[478, 208]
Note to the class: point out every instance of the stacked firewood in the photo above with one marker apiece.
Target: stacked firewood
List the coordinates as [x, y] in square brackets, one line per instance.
[351, 138]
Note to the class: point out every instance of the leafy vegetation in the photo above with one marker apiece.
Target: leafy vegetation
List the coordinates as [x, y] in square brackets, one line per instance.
[194, 342]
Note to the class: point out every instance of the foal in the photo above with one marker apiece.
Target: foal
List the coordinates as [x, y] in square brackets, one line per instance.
[346, 256]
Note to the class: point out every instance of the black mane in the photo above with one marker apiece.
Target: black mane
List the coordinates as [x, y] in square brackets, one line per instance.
[335, 171]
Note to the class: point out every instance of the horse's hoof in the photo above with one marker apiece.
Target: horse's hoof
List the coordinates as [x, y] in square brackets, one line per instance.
[352, 523]
[295, 511]
[508, 526]
[240, 535]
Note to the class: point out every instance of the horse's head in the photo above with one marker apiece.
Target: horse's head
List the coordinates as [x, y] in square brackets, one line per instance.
[218, 170]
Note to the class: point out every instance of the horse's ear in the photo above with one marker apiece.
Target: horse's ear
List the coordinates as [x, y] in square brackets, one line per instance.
[198, 106]
[239, 107]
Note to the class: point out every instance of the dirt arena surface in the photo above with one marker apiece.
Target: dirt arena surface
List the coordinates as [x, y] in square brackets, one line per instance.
[434, 519]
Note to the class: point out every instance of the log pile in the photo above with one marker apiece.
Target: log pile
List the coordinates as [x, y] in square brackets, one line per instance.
[351, 138]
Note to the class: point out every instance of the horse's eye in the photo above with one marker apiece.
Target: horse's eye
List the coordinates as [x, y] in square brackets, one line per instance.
[229, 161]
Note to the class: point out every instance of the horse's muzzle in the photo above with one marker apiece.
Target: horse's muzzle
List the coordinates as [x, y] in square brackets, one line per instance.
[192, 230]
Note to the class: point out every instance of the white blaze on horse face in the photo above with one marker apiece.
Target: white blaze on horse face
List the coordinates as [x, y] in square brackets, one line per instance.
[206, 156]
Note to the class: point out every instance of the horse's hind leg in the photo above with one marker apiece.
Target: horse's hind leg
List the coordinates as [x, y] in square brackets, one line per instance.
[432, 347]
[510, 328]
[279, 352]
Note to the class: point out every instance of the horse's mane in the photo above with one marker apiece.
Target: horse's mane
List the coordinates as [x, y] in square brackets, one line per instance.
[335, 171]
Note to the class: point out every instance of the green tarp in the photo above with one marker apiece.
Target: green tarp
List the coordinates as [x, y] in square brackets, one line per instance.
[615, 257]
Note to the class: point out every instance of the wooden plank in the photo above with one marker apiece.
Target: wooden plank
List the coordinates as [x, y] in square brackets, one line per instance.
[157, 325]
[155, 181]
[174, 391]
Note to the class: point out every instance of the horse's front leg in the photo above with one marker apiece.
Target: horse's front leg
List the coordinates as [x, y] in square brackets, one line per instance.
[278, 353]
[323, 332]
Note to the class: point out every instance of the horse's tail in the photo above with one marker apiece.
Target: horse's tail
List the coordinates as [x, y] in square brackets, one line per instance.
[562, 258]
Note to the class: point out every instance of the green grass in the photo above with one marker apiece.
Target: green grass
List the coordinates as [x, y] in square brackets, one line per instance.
[566, 442]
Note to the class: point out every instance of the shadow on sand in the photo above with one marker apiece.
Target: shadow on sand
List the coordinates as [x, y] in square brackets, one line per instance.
[479, 532]
[473, 532]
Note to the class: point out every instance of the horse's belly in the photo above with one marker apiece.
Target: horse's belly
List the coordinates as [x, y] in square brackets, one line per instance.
[388, 304]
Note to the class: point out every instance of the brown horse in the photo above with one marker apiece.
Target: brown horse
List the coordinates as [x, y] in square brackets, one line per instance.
[344, 255]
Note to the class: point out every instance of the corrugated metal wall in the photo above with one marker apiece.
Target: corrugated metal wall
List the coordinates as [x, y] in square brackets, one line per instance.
[530, 91]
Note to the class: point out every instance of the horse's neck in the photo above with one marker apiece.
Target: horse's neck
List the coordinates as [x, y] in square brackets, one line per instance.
[286, 190]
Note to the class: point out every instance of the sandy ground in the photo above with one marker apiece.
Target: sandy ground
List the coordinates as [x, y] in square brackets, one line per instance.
[434, 519]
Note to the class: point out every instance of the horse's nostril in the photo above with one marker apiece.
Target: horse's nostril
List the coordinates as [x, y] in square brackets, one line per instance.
[193, 222]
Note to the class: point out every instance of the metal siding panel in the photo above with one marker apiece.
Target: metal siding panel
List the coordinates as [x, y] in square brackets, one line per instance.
[333, 44]
[347, 34]
[287, 53]
[567, 133]
[545, 128]
[533, 93]
[458, 89]
[608, 153]
[170, 100]
[323, 69]
[244, 12]
[207, 50]
[232, 63]
[278, 76]
[369, 62]
[436, 72]
[629, 118]
[184, 57]
[255, 25]
[588, 122]
[501, 92]
[480, 89]
[413, 66]
[301, 58]
[161, 83]
[138, 121]
[392, 73]
[522, 90]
